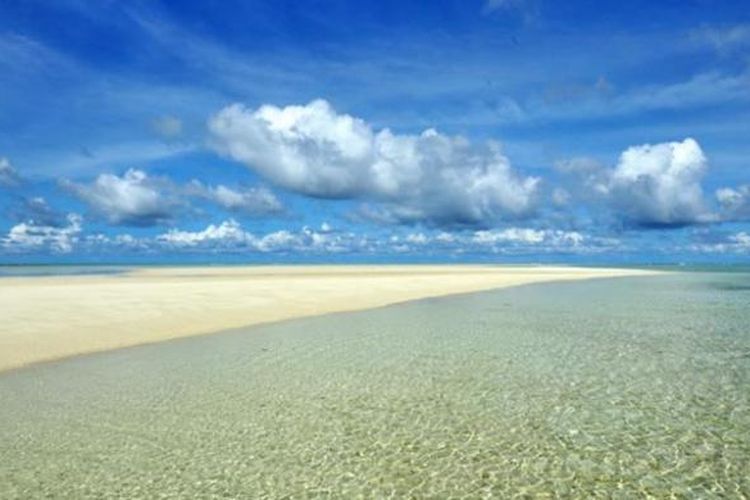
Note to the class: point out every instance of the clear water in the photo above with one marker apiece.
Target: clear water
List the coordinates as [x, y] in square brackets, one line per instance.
[619, 388]
[57, 270]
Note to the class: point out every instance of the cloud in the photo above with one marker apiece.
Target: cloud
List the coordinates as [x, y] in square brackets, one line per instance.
[230, 235]
[125, 242]
[659, 185]
[168, 127]
[528, 236]
[8, 175]
[131, 199]
[428, 177]
[735, 203]
[251, 201]
[227, 234]
[651, 186]
[137, 199]
[735, 243]
[33, 236]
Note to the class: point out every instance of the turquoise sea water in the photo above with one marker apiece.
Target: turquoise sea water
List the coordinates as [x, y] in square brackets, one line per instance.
[57, 270]
[613, 388]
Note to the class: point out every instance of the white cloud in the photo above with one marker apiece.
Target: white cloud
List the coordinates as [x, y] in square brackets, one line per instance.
[445, 238]
[527, 236]
[231, 236]
[167, 126]
[416, 238]
[652, 185]
[137, 199]
[31, 236]
[735, 203]
[8, 175]
[119, 241]
[742, 239]
[254, 200]
[659, 185]
[429, 177]
[228, 233]
[131, 199]
[735, 243]
[309, 149]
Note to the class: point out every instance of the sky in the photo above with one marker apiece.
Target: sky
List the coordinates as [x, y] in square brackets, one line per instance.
[374, 131]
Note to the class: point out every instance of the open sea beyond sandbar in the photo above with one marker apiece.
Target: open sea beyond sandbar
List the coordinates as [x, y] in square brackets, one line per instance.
[609, 387]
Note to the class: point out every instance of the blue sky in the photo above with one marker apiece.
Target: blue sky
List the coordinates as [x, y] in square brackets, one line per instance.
[488, 130]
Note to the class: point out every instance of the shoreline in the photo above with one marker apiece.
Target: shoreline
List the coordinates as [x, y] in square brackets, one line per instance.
[49, 318]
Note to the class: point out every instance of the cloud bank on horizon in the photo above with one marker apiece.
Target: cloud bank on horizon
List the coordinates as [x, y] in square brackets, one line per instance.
[206, 143]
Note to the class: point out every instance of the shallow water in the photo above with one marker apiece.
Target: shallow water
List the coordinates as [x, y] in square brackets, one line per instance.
[617, 387]
[22, 271]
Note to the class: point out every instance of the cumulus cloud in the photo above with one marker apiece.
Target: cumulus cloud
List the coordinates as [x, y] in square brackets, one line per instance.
[126, 242]
[32, 236]
[136, 198]
[230, 235]
[8, 175]
[660, 185]
[528, 236]
[314, 150]
[131, 199]
[734, 203]
[655, 185]
[251, 201]
[227, 234]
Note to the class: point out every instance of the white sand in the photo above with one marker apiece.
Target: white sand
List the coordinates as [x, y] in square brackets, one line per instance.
[46, 318]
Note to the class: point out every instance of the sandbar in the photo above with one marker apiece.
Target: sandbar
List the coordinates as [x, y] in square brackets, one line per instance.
[52, 317]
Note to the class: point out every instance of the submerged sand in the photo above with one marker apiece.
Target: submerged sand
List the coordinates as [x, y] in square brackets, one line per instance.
[45, 318]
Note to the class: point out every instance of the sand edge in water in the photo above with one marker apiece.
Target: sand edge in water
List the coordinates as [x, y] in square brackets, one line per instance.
[53, 317]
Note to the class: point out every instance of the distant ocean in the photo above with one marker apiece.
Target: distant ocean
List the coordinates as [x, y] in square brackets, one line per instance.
[623, 387]
[57, 270]
[22, 270]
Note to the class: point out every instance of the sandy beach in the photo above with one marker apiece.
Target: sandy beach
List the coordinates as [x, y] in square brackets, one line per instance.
[46, 318]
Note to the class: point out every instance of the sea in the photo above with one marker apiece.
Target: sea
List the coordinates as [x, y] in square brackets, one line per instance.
[617, 387]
